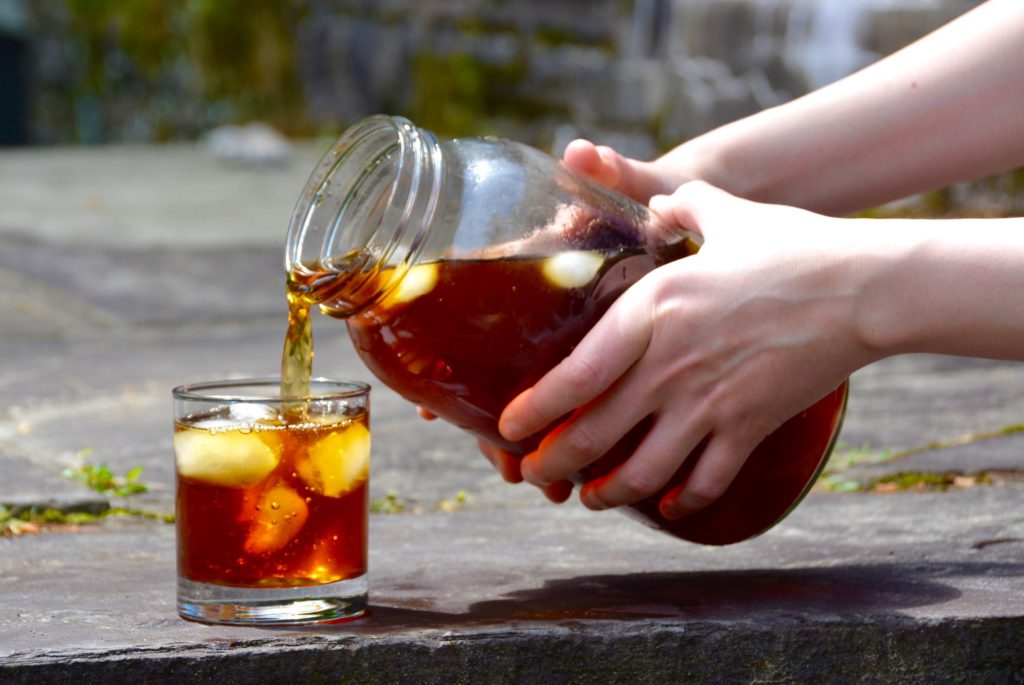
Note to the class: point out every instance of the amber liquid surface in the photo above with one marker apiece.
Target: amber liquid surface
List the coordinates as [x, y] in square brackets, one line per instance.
[486, 331]
[466, 336]
[282, 504]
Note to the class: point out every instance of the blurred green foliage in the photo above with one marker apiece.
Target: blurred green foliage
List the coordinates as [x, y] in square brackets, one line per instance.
[992, 196]
[236, 61]
[246, 51]
[237, 57]
[458, 94]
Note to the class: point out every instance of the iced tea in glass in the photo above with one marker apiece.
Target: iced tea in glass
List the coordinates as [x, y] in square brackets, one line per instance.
[272, 501]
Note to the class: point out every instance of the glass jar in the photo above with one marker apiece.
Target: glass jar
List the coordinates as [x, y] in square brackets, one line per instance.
[466, 269]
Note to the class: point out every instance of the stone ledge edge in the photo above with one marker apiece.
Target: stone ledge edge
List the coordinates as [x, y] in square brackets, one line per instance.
[845, 650]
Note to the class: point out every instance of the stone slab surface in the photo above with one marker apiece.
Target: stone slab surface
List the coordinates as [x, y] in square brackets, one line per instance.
[149, 197]
[126, 271]
[108, 401]
[1001, 454]
[109, 288]
[850, 588]
[909, 401]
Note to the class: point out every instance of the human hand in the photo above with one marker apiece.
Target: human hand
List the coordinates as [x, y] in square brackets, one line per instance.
[634, 178]
[727, 344]
[508, 465]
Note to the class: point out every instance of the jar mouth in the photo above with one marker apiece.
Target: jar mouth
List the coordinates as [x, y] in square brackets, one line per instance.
[367, 205]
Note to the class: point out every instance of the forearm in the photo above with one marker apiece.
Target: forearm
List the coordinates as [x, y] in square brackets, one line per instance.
[947, 108]
[941, 286]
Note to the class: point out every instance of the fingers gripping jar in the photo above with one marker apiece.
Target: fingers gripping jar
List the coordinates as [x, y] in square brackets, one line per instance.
[466, 269]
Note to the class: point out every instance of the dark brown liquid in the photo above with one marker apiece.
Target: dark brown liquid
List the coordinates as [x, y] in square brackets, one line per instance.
[486, 331]
[470, 335]
[286, 529]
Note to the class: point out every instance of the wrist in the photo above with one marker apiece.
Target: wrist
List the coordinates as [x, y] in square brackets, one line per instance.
[951, 286]
[870, 267]
[749, 158]
[904, 293]
[699, 159]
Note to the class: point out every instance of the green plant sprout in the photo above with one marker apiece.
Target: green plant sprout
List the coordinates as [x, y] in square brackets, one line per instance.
[104, 481]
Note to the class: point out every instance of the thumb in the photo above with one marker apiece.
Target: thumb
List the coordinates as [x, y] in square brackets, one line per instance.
[694, 204]
[631, 177]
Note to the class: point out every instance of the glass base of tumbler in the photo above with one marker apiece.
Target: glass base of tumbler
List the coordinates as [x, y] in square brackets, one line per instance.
[280, 606]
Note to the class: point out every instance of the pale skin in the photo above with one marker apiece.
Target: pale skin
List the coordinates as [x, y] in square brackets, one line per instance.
[782, 303]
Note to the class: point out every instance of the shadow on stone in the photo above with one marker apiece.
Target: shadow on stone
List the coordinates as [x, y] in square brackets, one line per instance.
[879, 590]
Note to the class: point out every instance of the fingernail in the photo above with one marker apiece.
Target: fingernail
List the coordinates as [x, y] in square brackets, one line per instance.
[510, 473]
[671, 511]
[510, 430]
[591, 500]
[658, 204]
[558, 492]
[526, 469]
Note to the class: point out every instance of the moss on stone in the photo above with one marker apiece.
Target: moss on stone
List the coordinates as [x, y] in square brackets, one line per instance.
[35, 520]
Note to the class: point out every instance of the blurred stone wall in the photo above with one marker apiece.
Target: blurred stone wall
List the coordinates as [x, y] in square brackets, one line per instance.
[640, 74]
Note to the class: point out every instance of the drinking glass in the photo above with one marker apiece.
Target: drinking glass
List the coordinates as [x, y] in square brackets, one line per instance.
[272, 501]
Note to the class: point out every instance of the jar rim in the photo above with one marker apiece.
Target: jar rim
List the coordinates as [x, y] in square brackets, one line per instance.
[368, 202]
